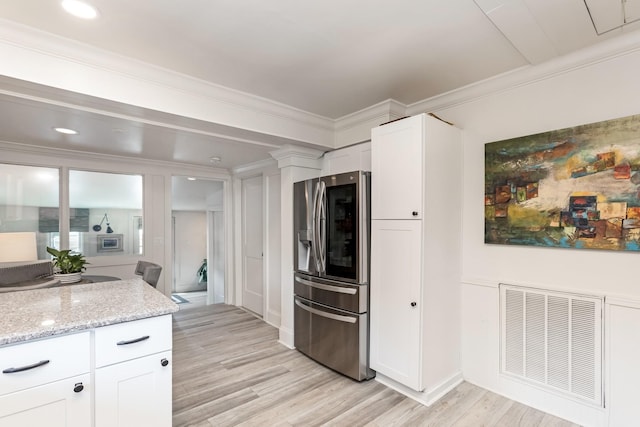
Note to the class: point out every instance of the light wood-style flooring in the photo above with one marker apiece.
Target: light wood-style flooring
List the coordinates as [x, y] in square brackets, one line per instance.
[229, 370]
[194, 299]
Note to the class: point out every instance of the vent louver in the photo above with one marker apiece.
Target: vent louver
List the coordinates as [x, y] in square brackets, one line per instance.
[553, 339]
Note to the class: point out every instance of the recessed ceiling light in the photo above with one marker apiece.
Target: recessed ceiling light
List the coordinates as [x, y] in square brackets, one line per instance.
[191, 178]
[215, 159]
[80, 9]
[66, 131]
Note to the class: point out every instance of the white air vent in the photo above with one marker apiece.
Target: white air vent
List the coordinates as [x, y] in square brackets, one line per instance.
[553, 340]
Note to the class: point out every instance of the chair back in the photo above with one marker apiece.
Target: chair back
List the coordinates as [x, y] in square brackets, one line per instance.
[149, 271]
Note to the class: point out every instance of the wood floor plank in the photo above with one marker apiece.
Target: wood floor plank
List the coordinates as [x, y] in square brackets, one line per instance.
[230, 370]
[485, 412]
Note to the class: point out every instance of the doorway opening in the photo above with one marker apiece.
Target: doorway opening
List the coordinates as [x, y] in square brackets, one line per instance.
[198, 252]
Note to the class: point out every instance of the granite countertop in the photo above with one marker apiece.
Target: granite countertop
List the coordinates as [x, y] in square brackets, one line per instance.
[41, 313]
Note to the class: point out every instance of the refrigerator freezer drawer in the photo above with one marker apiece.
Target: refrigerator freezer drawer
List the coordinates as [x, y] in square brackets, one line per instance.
[338, 339]
[340, 295]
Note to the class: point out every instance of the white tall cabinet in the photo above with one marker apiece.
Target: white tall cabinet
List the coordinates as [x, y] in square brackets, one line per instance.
[416, 184]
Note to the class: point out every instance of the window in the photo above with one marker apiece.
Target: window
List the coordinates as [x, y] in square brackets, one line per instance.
[24, 191]
[113, 206]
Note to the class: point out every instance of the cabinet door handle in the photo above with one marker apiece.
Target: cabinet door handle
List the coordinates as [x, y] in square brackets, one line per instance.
[413, 303]
[25, 368]
[133, 341]
[414, 213]
[164, 362]
[78, 387]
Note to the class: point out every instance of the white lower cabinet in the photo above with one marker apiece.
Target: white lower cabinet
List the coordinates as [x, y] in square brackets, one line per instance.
[57, 404]
[46, 382]
[134, 393]
[125, 373]
[396, 306]
[133, 374]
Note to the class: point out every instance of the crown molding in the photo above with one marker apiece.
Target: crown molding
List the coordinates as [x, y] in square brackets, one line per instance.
[589, 56]
[356, 127]
[291, 155]
[51, 60]
[254, 168]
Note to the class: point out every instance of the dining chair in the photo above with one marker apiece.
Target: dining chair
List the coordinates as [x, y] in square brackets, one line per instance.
[149, 271]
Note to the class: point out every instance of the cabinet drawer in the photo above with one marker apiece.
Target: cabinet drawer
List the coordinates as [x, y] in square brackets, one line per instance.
[49, 360]
[130, 340]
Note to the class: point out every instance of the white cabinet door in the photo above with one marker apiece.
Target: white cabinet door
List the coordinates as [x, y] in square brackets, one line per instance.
[396, 169]
[396, 300]
[134, 393]
[53, 405]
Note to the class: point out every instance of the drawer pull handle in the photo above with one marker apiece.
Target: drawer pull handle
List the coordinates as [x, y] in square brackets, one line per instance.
[331, 288]
[78, 387]
[164, 362]
[25, 368]
[339, 318]
[146, 337]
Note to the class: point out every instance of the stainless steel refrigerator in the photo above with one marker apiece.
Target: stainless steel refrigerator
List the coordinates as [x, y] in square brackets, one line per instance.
[331, 278]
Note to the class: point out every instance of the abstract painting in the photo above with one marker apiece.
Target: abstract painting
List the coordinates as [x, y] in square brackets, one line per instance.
[571, 188]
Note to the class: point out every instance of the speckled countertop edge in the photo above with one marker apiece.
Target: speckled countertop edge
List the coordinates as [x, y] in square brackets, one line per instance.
[40, 313]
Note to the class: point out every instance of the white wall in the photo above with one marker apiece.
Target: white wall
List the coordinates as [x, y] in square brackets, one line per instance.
[216, 269]
[601, 90]
[190, 246]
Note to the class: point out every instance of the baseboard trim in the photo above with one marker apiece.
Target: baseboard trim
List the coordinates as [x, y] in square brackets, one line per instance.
[286, 337]
[427, 397]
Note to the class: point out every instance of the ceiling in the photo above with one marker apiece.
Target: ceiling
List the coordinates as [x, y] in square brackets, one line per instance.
[328, 58]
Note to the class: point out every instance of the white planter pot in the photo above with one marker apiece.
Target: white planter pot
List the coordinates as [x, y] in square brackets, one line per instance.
[69, 277]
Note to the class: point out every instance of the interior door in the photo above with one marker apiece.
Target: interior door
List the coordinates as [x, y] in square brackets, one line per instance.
[252, 265]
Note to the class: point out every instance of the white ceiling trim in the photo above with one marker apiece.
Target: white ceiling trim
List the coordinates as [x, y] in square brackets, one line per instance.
[291, 155]
[82, 160]
[135, 119]
[356, 127]
[604, 51]
[55, 61]
[255, 168]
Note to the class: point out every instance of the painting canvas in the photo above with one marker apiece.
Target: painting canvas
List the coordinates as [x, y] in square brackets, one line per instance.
[571, 188]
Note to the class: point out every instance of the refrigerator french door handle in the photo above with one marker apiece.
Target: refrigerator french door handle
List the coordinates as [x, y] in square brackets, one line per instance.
[331, 288]
[339, 318]
[322, 227]
[314, 243]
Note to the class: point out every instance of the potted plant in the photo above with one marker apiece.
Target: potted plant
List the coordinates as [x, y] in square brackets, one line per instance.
[68, 266]
[202, 272]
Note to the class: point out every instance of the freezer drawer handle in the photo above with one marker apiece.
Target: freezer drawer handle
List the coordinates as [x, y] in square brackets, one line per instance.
[346, 319]
[350, 291]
